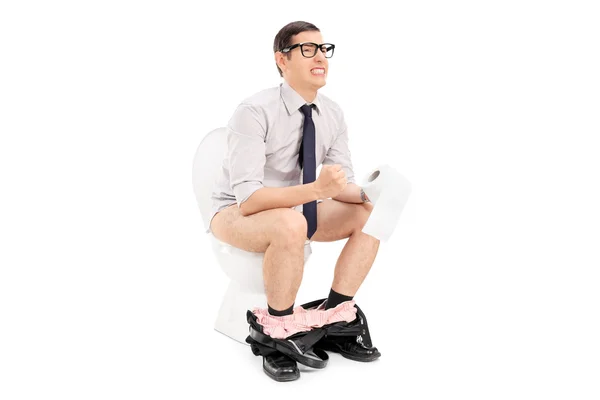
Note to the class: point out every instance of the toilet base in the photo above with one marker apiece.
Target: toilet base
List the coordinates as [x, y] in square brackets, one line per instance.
[231, 320]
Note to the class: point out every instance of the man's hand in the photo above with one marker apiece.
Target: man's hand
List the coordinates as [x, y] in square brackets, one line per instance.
[331, 181]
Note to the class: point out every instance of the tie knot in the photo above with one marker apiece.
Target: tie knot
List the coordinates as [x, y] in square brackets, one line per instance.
[307, 110]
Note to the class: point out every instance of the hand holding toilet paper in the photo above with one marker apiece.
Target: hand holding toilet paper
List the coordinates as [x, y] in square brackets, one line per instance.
[388, 191]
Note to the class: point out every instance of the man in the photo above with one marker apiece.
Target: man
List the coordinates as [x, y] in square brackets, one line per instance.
[276, 138]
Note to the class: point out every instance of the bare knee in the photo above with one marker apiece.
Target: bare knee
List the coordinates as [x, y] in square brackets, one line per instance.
[361, 215]
[289, 227]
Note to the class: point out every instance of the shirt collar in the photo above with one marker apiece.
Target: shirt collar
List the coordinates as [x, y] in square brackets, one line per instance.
[293, 101]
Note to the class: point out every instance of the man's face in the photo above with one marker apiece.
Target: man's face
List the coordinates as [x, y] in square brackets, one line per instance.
[302, 72]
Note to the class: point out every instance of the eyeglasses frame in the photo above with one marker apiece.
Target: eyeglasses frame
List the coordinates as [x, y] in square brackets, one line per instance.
[318, 46]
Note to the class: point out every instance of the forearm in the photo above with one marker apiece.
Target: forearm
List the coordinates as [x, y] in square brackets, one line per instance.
[267, 198]
[351, 194]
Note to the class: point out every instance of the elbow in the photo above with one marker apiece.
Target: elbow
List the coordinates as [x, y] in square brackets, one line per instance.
[245, 196]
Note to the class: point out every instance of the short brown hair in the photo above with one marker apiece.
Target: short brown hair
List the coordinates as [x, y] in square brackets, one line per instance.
[284, 37]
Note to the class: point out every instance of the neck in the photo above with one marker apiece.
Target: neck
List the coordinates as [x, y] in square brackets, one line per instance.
[308, 95]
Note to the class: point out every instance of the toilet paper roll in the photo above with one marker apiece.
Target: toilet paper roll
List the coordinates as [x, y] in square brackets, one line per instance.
[388, 190]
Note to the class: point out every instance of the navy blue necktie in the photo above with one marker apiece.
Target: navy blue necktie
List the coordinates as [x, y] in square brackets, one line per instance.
[309, 166]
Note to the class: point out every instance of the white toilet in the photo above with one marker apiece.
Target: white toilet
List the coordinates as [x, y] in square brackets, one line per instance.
[244, 269]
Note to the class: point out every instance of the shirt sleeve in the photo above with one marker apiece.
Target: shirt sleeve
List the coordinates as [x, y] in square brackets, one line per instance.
[339, 153]
[246, 132]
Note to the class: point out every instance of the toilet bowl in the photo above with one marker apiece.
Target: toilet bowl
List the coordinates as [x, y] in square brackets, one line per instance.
[245, 289]
[243, 269]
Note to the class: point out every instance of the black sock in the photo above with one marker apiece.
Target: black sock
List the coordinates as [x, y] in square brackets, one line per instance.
[276, 313]
[336, 298]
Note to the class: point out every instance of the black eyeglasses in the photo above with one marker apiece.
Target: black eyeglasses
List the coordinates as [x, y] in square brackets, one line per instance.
[309, 49]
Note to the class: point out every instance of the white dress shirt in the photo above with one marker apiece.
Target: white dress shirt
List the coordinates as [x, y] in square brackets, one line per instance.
[263, 142]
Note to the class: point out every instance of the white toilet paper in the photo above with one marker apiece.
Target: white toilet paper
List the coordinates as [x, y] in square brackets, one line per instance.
[388, 190]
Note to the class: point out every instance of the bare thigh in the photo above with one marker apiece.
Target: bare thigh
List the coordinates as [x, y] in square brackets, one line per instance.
[255, 232]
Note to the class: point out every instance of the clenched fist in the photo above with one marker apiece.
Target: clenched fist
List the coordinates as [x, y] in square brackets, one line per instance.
[331, 181]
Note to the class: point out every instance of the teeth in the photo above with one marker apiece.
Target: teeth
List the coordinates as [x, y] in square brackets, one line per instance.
[318, 71]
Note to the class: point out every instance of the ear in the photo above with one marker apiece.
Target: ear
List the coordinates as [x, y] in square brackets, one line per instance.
[280, 59]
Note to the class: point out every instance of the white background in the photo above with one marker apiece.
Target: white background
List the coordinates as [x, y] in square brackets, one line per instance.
[488, 288]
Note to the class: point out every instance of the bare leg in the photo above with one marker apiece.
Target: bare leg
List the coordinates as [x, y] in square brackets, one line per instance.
[336, 221]
[280, 234]
[354, 263]
[284, 264]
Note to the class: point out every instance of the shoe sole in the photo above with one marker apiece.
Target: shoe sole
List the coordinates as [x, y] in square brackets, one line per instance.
[355, 358]
[283, 378]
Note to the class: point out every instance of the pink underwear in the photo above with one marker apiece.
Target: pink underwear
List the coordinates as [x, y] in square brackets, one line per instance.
[303, 320]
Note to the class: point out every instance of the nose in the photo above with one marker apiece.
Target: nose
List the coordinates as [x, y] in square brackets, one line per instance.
[320, 56]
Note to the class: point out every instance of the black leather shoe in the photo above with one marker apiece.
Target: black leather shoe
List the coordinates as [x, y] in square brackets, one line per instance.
[280, 367]
[350, 348]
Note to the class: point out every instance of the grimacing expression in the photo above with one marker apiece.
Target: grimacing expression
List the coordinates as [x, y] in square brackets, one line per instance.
[306, 72]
